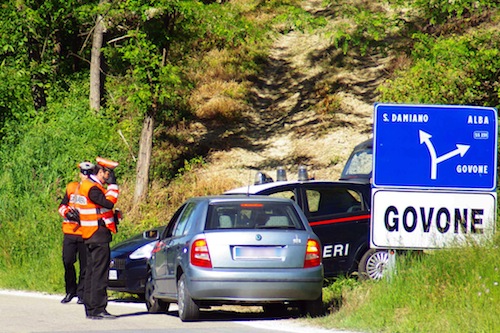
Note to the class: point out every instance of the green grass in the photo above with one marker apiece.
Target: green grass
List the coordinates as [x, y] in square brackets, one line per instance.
[48, 277]
[446, 290]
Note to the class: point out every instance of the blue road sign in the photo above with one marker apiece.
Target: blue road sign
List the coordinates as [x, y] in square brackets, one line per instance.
[435, 147]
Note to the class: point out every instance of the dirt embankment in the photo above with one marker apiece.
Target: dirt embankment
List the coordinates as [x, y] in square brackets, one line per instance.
[286, 126]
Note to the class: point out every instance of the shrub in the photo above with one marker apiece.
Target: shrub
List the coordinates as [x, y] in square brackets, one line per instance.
[454, 70]
[438, 11]
[35, 173]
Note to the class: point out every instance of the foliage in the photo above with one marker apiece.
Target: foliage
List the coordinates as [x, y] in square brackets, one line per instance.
[141, 53]
[449, 70]
[191, 165]
[293, 18]
[16, 105]
[221, 27]
[365, 28]
[335, 291]
[37, 44]
[439, 11]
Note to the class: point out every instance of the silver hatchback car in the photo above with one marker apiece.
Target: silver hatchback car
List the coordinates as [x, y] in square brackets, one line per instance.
[239, 250]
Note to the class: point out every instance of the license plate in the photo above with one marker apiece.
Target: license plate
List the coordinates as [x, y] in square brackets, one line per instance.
[113, 274]
[258, 252]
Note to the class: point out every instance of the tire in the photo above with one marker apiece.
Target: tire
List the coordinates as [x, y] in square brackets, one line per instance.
[141, 297]
[153, 304]
[313, 308]
[188, 309]
[373, 264]
[275, 309]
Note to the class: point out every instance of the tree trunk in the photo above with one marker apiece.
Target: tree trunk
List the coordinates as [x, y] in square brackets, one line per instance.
[144, 160]
[37, 79]
[38, 92]
[95, 65]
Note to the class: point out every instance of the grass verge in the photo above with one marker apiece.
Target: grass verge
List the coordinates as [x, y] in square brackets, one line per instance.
[448, 290]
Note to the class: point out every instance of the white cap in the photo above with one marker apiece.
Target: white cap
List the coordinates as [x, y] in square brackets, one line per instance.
[86, 168]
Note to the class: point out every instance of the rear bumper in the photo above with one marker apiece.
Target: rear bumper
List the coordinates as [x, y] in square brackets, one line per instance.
[258, 286]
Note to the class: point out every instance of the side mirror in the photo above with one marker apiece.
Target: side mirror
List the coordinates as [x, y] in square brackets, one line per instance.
[151, 234]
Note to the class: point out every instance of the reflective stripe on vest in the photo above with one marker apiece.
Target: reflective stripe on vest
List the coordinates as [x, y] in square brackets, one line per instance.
[70, 227]
[91, 213]
[112, 193]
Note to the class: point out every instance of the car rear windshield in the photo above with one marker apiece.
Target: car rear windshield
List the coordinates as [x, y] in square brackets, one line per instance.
[359, 164]
[253, 215]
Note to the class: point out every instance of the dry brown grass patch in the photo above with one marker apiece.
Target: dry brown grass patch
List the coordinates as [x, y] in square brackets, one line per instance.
[401, 62]
[214, 66]
[221, 107]
[219, 99]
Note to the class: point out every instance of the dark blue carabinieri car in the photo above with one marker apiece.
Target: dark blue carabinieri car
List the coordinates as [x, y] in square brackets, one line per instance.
[128, 265]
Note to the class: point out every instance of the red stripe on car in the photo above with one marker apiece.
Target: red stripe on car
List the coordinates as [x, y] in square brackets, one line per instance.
[340, 220]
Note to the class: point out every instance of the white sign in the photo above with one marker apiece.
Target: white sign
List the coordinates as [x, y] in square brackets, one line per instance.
[113, 275]
[429, 219]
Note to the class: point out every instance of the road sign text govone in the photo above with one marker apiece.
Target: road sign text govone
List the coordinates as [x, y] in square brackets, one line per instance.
[426, 219]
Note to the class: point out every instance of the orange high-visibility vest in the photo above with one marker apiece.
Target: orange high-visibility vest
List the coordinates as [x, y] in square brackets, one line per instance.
[70, 227]
[91, 213]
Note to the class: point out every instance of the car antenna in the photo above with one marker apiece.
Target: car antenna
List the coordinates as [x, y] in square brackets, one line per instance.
[248, 186]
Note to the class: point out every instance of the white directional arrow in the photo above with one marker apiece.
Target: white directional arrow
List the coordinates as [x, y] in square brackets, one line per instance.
[426, 138]
[461, 150]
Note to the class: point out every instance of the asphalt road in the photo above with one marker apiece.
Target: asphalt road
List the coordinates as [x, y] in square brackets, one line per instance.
[35, 312]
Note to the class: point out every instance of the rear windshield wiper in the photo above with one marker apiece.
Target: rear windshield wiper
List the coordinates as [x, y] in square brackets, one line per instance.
[275, 227]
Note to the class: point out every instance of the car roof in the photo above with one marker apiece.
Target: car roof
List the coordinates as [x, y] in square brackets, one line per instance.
[363, 145]
[239, 197]
[253, 189]
[347, 173]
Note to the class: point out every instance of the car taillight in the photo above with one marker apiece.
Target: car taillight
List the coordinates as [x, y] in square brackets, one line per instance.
[313, 254]
[200, 255]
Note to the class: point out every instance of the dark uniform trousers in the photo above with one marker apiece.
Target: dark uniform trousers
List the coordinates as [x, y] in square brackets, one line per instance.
[96, 282]
[73, 248]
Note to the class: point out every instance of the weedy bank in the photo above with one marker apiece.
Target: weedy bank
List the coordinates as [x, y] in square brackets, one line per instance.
[446, 290]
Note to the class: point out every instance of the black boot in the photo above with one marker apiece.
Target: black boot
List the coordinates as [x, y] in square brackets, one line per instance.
[68, 298]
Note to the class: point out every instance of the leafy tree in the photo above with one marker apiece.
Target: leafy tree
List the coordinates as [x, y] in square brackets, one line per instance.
[141, 55]
[36, 38]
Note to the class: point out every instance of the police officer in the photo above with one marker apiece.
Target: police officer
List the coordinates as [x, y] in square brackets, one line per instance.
[97, 224]
[73, 246]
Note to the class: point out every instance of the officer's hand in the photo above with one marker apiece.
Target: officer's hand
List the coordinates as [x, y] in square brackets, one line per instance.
[111, 178]
[73, 215]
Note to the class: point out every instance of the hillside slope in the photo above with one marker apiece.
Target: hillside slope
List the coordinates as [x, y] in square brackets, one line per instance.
[286, 124]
